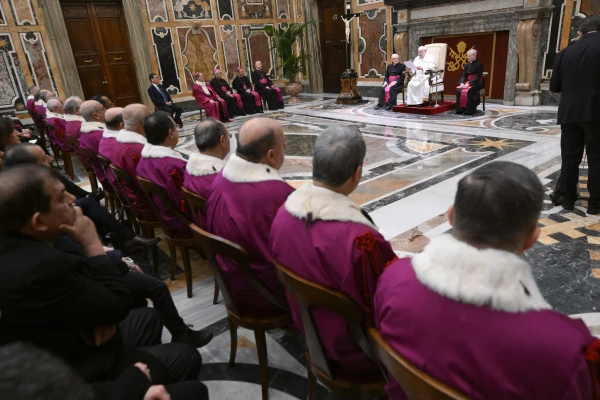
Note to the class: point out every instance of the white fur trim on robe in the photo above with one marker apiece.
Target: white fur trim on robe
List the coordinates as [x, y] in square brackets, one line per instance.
[152, 151]
[87, 127]
[50, 114]
[239, 170]
[202, 165]
[490, 277]
[73, 117]
[30, 98]
[325, 205]
[40, 103]
[109, 133]
[126, 136]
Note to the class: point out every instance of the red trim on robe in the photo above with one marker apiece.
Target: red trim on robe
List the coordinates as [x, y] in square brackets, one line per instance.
[367, 244]
[136, 158]
[176, 175]
[387, 89]
[465, 92]
[592, 356]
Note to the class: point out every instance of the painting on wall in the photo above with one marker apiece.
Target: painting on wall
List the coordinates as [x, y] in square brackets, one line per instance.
[12, 81]
[192, 9]
[372, 43]
[37, 60]
[167, 64]
[23, 12]
[198, 51]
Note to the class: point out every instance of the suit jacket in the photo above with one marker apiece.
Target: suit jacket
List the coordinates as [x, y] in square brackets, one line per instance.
[575, 75]
[53, 300]
[475, 68]
[156, 97]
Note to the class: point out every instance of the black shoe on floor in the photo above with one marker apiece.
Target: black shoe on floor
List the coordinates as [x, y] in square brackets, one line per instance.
[593, 209]
[388, 107]
[568, 205]
[194, 338]
[377, 107]
[137, 244]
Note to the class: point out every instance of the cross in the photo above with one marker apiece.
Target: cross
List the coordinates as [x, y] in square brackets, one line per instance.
[347, 18]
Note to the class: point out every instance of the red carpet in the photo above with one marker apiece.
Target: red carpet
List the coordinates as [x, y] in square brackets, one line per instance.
[426, 110]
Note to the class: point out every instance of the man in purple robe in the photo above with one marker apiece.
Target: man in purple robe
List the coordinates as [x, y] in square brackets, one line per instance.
[165, 167]
[72, 116]
[30, 105]
[56, 119]
[212, 140]
[91, 134]
[241, 205]
[114, 123]
[467, 309]
[326, 238]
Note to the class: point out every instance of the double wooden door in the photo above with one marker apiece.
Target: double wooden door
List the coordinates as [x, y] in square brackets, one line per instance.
[333, 43]
[98, 37]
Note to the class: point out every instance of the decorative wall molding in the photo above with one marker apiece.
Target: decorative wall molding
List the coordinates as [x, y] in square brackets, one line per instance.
[37, 60]
[23, 12]
[157, 10]
[12, 81]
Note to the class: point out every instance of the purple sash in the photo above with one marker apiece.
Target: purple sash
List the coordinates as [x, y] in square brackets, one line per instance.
[256, 98]
[238, 98]
[264, 81]
[393, 78]
[465, 92]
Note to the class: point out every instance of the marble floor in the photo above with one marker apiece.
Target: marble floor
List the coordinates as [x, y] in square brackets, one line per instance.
[411, 170]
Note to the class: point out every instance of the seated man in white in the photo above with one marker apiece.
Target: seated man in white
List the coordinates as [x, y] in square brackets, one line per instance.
[418, 86]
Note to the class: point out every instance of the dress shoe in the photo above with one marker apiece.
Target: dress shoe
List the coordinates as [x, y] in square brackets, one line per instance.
[593, 209]
[194, 338]
[568, 205]
[388, 107]
[377, 107]
[138, 244]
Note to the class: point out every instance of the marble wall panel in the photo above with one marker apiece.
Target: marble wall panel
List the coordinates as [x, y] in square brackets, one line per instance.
[255, 9]
[553, 44]
[372, 43]
[283, 8]
[157, 10]
[167, 64]
[3, 21]
[12, 81]
[37, 60]
[229, 41]
[590, 7]
[23, 12]
[192, 9]
[257, 48]
[225, 9]
[199, 52]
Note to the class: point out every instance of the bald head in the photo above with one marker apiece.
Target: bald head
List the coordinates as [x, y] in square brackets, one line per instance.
[114, 118]
[133, 117]
[47, 95]
[72, 105]
[55, 105]
[261, 140]
[91, 111]
[258, 65]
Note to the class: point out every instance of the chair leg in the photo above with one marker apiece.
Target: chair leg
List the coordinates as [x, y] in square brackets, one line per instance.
[483, 102]
[69, 166]
[263, 362]
[185, 255]
[312, 384]
[173, 254]
[150, 234]
[216, 296]
[233, 335]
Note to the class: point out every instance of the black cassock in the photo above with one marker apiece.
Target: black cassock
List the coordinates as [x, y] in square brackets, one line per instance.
[392, 70]
[247, 98]
[231, 101]
[261, 88]
[473, 74]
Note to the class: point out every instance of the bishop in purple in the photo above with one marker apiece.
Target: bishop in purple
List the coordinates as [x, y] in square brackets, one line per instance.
[91, 135]
[72, 116]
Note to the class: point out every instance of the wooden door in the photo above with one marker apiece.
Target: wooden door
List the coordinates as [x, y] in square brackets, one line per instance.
[333, 43]
[98, 37]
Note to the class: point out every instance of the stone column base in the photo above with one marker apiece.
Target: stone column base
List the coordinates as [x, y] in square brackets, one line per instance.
[529, 98]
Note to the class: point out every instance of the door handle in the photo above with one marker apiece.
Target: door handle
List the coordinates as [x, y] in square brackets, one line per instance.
[105, 80]
[118, 58]
[327, 41]
[87, 61]
[342, 40]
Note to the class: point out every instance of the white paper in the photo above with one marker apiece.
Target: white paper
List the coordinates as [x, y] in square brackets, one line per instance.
[409, 65]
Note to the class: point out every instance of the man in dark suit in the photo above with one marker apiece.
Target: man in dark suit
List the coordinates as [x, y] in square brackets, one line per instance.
[576, 76]
[162, 100]
[470, 85]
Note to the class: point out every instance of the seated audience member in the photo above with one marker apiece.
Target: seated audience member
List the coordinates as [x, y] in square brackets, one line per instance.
[91, 134]
[45, 96]
[242, 203]
[233, 100]
[251, 99]
[9, 136]
[301, 239]
[36, 374]
[209, 100]
[30, 105]
[263, 85]
[56, 120]
[393, 84]
[78, 308]
[108, 143]
[212, 140]
[39, 103]
[130, 142]
[165, 167]
[24, 134]
[72, 116]
[102, 99]
[162, 99]
[471, 82]
[467, 309]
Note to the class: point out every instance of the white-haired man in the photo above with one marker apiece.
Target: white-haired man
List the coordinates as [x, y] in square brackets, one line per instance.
[393, 83]
[418, 87]
[471, 82]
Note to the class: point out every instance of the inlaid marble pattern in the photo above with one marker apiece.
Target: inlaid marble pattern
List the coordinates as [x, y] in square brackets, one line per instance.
[372, 44]
[157, 10]
[165, 52]
[3, 21]
[10, 75]
[199, 52]
[283, 9]
[255, 9]
[229, 41]
[23, 12]
[257, 48]
[225, 9]
[192, 9]
[37, 60]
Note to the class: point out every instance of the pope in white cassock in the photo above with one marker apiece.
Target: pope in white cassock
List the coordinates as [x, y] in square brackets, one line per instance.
[418, 86]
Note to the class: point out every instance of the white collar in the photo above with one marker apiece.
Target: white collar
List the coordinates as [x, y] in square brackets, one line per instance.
[152, 151]
[488, 277]
[126, 136]
[109, 133]
[325, 205]
[239, 170]
[202, 164]
[50, 114]
[40, 102]
[74, 117]
[30, 97]
[87, 127]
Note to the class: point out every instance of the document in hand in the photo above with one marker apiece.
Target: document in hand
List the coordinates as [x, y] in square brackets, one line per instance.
[410, 65]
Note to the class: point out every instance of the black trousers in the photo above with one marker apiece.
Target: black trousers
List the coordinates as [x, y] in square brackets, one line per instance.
[173, 110]
[272, 98]
[575, 138]
[72, 188]
[394, 92]
[473, 99]
[104, 221]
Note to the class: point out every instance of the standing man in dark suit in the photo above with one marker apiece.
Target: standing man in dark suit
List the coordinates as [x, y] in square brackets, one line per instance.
[576, 76]
[162, 100]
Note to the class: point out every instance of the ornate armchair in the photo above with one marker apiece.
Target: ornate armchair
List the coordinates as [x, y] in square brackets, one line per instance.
[436, 80]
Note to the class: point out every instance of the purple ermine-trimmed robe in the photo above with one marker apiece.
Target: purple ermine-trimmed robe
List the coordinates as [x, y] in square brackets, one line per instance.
[40, 107]
[476, 320]
[91, 134]
[106, 148]
[74, 125]
[166, 167]
[30, 105]
[241, 205]
[341, 249]
[57, 131]
[200, 172]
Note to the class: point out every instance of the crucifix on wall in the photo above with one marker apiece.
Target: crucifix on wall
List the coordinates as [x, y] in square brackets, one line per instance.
[347, 18]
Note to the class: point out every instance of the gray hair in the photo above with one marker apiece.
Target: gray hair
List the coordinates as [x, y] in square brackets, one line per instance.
[338, 152]
[45, 95]
[472, 51]
[53, 104]
[72, 104]
[207, 134]
[422, 48]
[395, 55]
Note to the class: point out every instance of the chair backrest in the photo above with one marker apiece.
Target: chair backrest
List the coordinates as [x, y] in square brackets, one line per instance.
[125, 180]
[309, 295]
[197, 204]
[150, 189]
[212, 246]
[416, 384]
[85, 161]
[484, 76]
[439, 52]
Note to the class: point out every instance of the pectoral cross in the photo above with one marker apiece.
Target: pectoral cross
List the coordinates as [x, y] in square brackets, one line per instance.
[347, 18]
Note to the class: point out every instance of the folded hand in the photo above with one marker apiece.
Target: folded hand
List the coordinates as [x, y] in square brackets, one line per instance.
[157, 392]
[104, 333]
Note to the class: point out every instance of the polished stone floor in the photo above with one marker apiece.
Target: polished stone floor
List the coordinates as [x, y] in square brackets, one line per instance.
[412, 166]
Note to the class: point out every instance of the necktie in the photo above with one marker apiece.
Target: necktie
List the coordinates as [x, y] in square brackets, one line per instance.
[162, 93]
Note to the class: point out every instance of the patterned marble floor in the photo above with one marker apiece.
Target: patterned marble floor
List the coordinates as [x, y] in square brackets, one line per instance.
[412, 166]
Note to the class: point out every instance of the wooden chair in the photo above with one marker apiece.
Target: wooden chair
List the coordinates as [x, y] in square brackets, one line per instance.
[416, 384]
[119, 192]
[212, 246]
[482, 91]
[55, 143]
[263, 98]
[198, 204]
[310, 295]
[87, 165]
[184, 244]
[144, 227]
[111, 201]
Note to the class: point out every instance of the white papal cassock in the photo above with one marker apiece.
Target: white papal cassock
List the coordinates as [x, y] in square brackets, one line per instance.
[418, 86]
